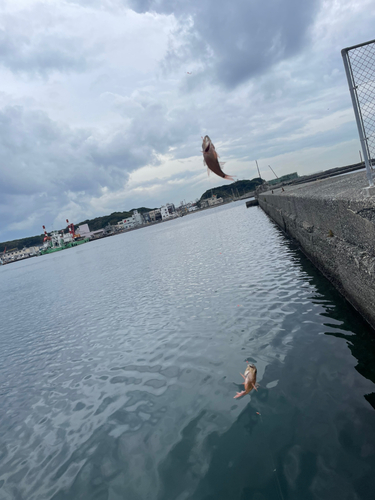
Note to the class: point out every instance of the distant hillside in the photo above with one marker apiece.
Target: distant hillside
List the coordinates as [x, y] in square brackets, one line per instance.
[23, 242]
[94, 224]
[114, 218]
[236, 189]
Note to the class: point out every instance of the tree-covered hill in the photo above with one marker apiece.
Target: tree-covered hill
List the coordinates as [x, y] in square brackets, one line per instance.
[114, 218]
[23, 242]
[235, 189]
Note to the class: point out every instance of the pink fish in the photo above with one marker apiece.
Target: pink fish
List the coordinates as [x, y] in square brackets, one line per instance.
[210, 158]
[250, 378]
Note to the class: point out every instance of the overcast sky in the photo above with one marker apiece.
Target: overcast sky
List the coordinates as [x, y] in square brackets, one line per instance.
[98, 111]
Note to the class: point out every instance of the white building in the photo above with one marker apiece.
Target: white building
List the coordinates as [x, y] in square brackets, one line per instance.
[84, 231]
[168, 211]
[133, 221]
[164, 212]
[138, 219]
[128, 223]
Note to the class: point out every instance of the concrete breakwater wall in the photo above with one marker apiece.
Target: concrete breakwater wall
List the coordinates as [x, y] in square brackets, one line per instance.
[333, 220]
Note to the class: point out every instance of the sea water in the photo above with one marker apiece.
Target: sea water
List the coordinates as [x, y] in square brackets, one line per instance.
[120, 358]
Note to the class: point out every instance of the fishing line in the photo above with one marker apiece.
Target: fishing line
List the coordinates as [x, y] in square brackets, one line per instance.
[272, 460]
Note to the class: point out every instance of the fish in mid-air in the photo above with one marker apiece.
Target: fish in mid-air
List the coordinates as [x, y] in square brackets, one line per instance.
[250, 378]
[210, 158]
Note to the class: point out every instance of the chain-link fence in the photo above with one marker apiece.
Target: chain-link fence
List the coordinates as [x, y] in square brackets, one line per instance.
[359, 62]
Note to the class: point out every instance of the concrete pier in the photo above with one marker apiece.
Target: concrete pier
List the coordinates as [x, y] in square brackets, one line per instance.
[333, 220]
[252, 203]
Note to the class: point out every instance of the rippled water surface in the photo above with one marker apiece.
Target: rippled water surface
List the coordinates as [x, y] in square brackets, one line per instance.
[120, 358]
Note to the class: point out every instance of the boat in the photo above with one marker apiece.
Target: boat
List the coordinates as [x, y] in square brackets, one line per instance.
[63, 246]
[60, 241]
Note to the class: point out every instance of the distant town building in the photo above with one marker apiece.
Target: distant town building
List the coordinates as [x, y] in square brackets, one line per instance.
[84, 231]
[171, 208]
[155, 215]
[168, 211]
[15, 254]
[164, 212]
[108, 230]
[146, 218]
[126, 224]
[138, 219]
[94, 235]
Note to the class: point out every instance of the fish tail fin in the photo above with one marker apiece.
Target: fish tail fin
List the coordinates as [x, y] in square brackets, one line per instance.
[229, 177]
[239, 394]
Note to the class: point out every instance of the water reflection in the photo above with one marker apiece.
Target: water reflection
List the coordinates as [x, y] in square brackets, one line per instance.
[345, 323]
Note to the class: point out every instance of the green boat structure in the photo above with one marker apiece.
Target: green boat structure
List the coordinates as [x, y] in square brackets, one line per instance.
[64, 246]
[60, 241]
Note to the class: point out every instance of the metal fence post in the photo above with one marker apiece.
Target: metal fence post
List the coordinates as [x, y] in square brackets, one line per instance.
[362, 77]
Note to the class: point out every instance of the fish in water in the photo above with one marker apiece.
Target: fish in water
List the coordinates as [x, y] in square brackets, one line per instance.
[210, 158]
[250, 378]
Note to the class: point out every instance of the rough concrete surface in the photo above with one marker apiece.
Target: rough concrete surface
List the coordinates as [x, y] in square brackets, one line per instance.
[334, 222]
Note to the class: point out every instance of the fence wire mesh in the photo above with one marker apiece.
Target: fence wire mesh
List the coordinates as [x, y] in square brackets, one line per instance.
[359, 62]
[362, 65]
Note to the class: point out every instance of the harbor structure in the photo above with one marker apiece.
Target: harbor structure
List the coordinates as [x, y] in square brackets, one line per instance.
[332, 219]
[58, 240]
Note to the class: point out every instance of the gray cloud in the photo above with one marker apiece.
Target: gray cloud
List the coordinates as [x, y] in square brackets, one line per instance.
[236, 41]
[41, 155]
[46, 165]
[40, 55]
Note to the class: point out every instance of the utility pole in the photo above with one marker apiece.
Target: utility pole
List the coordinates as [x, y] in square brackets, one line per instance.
[272, 171]
[258, 169]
